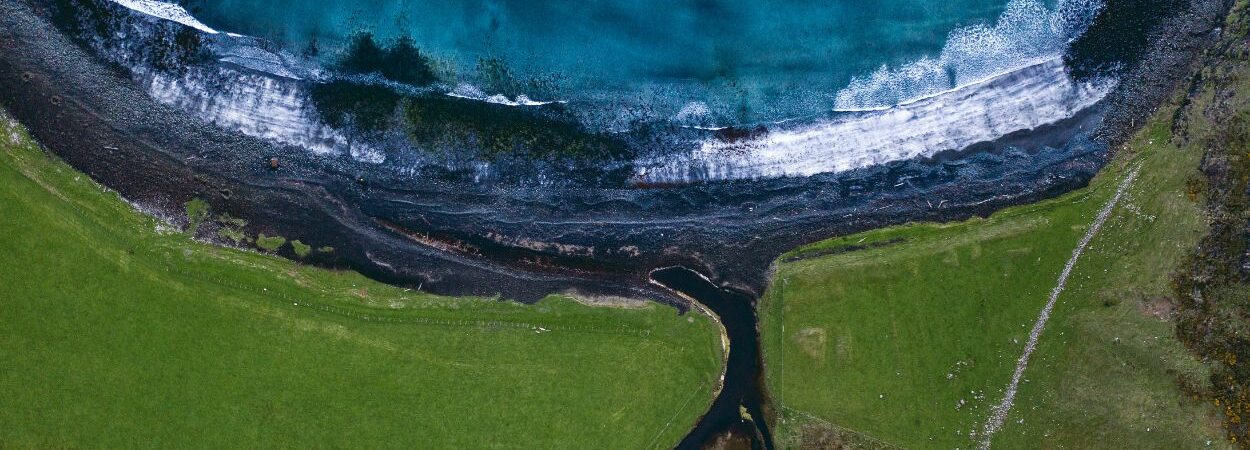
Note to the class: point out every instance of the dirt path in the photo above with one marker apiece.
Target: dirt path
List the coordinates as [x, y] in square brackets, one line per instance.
[999, 413]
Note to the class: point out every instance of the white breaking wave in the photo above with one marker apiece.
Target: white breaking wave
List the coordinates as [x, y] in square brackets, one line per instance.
[261, 60]
[1026, 33]
[249, 56]
[1022, 100]
[258, 106]
[470, 92]
[986, 83]
[167, 11]
[271, 104]
[693, 114]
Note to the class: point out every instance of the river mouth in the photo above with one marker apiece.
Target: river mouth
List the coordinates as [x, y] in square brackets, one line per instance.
[741, 407]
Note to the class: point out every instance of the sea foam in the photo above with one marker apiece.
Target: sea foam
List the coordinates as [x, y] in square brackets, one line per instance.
[470, 92]
[1025, 34]
[167, 11]
[256, 105]
[1022, 100]
[987, 82]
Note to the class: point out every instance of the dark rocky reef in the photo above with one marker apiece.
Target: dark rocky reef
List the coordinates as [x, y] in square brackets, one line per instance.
[402, 61]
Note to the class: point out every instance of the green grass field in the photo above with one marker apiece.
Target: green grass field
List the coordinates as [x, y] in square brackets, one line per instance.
[117, 331]
[911, 341]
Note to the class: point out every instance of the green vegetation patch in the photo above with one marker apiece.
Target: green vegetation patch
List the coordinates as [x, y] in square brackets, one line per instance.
[270, 243]
[233, 235]
[301, 249]
[117, 335]
[908, 336]
[231, 229]
[197, 211]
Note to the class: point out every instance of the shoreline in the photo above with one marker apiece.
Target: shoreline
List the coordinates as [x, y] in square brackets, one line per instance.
[128, 141]
[595, 241]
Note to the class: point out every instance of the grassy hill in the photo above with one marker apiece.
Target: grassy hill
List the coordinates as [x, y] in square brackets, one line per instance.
[116, 330]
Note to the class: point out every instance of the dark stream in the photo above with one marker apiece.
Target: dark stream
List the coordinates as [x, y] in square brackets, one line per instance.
[743, 384]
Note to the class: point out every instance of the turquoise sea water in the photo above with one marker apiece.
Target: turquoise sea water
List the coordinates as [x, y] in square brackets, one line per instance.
[748, 61]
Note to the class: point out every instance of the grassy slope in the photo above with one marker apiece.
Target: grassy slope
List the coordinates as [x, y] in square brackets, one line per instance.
[885, 343]
[115, 334]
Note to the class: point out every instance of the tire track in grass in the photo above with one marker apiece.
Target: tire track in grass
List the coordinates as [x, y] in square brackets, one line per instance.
[999, 414]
